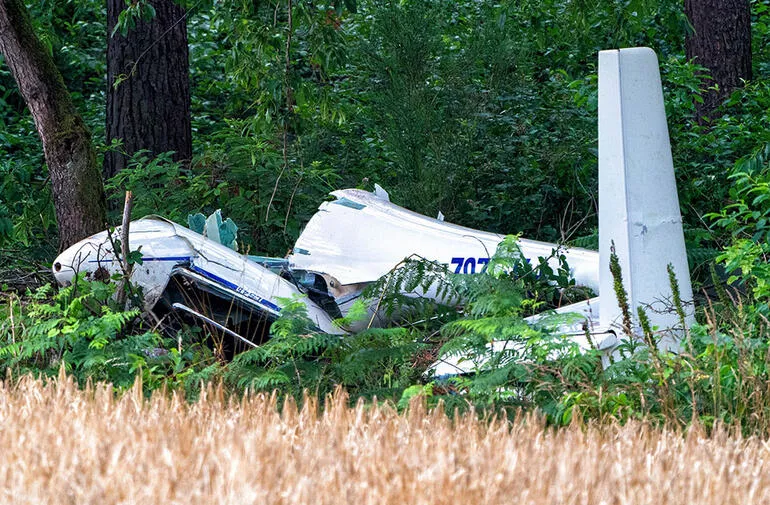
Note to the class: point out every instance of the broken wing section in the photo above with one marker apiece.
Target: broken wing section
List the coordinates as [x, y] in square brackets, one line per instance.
[170, 251]
[359, 237]
[583, 329]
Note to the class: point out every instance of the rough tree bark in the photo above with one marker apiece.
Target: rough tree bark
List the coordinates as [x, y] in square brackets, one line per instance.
[721, 42]
[78, 193]
[149, 108]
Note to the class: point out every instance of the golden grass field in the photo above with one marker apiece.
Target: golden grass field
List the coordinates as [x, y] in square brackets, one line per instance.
[63, 445]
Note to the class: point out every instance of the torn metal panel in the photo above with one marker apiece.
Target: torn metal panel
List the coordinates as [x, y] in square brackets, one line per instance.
[162, 249]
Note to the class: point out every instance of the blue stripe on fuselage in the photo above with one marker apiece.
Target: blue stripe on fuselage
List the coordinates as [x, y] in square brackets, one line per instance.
[149, 258]
[238, 289]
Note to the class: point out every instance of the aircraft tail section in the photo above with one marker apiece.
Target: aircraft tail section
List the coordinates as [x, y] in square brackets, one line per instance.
[638, 202]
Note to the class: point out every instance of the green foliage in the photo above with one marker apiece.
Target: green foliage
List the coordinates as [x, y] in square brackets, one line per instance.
[747, 219]
[298, 358]
[621, 295]
[389, 362]
[447, 105]
[26, 216]
[160, 183]
[73, 31]
[276, 87]
[510, 353]
[82, 329]
[721, 379]
[133, 13]
[482, 111]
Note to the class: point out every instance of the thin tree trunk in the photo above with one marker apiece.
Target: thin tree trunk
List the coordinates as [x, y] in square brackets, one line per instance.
[78, 193]
[148, 95]
[721, 42]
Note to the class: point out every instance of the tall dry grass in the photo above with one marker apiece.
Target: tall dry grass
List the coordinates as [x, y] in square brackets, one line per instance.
[63, 445]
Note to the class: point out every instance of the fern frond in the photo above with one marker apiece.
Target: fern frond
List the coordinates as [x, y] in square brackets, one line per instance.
[265, 381]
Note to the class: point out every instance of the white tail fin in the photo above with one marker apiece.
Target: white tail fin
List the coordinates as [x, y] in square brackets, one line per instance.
[638, 202]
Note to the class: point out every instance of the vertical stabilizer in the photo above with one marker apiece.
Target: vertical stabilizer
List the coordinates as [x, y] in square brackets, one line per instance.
[638, 202]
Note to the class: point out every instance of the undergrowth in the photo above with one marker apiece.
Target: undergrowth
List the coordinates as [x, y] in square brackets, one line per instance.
[512, 362]
[82, 329]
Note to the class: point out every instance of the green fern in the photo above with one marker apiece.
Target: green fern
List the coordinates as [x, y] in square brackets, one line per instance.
[82, 328]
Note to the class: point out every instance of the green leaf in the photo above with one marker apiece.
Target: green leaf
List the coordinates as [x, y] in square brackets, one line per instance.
[148, 11]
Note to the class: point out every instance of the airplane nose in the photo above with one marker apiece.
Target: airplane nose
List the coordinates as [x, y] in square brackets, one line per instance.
[80, 257]
[63, 269]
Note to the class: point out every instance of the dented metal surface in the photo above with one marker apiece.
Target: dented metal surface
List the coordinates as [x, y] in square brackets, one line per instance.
[166, 246]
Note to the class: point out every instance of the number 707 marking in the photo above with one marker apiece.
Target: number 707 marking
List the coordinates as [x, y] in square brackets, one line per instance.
[468, 265]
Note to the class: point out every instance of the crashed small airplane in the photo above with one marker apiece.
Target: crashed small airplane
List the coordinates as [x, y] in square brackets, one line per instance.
[350, 243]
[357, 238]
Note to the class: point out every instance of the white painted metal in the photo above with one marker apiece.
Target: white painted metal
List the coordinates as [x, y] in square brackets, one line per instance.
[380, 192]
[165, 245]
[359, 238]
[585, 313]
[638, 203]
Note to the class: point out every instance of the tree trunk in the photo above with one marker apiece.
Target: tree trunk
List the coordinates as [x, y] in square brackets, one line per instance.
[148, 95]
[721, 42]
[78, 193]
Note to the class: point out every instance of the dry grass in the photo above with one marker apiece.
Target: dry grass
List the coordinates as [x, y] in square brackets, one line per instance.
[62, 445]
